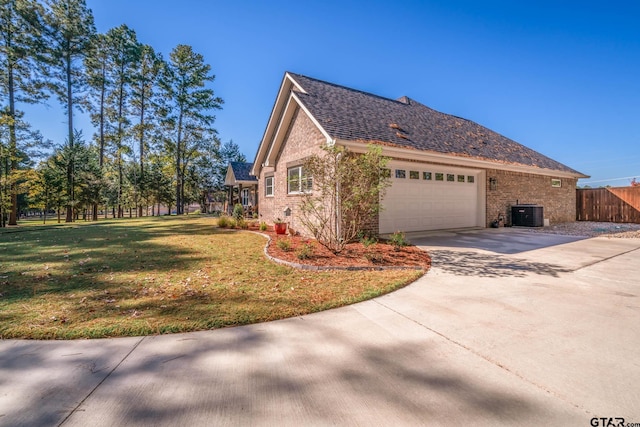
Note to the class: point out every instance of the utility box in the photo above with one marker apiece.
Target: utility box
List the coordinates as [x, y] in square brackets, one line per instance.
[527, 216]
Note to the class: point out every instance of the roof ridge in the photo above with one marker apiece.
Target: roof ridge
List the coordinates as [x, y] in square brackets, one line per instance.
[396, 101]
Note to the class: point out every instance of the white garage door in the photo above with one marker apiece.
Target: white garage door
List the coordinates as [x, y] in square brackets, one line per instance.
[428, 197]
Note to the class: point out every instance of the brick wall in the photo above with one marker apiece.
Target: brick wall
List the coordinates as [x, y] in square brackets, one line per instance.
[302, 140]
[559, 204]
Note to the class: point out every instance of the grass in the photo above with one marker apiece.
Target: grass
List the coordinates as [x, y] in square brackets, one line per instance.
[158, 275]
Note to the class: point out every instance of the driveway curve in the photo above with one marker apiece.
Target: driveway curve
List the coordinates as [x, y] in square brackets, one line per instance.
[508, 328]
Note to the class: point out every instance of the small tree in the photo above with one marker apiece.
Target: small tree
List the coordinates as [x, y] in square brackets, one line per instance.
[347, 188]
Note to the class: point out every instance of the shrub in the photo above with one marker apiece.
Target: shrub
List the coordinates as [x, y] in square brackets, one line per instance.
[238, 212]
[263, 226]
[284, 244]
[367, 239]
[232, 223]
[398, 240]
[223, 221]
[305, 251]
[242, 223]
[335, 219]
[197, 212]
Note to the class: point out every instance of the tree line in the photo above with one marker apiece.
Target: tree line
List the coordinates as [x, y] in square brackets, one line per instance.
[153, 141]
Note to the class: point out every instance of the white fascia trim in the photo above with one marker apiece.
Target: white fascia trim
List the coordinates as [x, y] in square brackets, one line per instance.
[283, 92]
[278, 135]
[431, 157]
[298, 87]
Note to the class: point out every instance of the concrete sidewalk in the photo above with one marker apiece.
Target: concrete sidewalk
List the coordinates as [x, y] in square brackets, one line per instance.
[544, 333]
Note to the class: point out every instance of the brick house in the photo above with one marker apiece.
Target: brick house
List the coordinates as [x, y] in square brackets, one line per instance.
[446, 172]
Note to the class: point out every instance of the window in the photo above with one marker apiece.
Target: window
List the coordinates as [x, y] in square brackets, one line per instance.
[557, 183]
[268, 186]
[414, 175]
[471, 178]
[298, 180]
[439, 176]
[245, 197]
[426, 176]
[401, 173]
[451, 177]
[460, 178]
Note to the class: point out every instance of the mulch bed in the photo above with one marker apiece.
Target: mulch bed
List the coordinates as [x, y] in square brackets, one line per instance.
[381, 254]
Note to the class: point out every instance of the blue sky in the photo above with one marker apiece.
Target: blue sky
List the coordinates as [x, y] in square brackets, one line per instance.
[560, 77]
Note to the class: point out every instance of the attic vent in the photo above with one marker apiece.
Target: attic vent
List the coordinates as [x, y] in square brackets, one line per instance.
[404, 100]
[396, 127]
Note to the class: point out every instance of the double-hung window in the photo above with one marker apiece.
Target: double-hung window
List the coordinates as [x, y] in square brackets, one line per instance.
[245, 197]
[298, 181]
[268, 186]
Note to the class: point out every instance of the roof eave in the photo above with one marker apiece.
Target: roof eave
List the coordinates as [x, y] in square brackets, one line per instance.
[274, 118]
[434, 157]
[278, 124]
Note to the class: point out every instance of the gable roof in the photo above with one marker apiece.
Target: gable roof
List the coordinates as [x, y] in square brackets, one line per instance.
[351, 115]
[239, 172]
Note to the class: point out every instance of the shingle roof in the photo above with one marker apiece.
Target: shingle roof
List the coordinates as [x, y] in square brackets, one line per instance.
[350, 114]
[242, 171]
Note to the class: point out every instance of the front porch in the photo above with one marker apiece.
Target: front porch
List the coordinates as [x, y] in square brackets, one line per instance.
[241, 188]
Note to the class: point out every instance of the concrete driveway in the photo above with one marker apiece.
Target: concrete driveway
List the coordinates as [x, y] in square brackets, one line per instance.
[508, 328]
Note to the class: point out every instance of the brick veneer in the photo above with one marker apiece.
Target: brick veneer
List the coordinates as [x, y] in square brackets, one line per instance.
[303, 139]
[559, 204]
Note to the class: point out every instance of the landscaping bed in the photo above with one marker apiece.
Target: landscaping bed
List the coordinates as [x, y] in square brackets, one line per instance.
[305, 251]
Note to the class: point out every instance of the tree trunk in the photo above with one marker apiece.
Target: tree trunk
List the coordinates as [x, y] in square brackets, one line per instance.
[13, 148]
[179, 176]
[70, 167]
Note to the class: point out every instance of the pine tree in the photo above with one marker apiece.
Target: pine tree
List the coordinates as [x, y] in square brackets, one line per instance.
[69, 30]
[144, 104]
[186, 117]
[125, 52]
[97, 66]
[20, 27]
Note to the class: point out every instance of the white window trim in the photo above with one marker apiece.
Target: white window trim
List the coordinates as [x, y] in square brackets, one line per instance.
[267, 186]
[245, 196]
[301, 179]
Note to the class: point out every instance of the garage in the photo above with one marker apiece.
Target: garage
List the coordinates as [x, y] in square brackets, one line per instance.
[431, 197]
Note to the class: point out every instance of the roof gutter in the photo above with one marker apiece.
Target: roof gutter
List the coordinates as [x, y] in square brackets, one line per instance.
[434, 157]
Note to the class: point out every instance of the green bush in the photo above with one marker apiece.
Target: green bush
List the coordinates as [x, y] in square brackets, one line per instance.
[398, 240]
[223, 221]
[242, 223]
[305, 251]
[367, 239]
[196, 212]
[238, 212]
[284, 244]
[263, 226]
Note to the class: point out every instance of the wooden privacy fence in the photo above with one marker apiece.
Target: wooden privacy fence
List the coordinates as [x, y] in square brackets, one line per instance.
[617, 204]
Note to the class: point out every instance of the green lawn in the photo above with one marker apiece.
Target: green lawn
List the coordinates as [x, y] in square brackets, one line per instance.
[158, 275]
